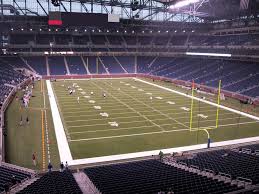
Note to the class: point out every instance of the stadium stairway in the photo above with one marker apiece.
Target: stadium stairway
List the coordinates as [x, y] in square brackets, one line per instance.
[205, 172]
[10, 172]
[54, 182]
[23, 185]
[85, 184]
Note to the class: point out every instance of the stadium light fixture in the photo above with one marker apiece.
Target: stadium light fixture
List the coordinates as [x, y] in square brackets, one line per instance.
[92, 30]
[108, 31]
[66, 30]
[125, 31]
[56, 30]
[22, 29]
[175, 31]
[150, 31]
[117, 31]
[192, 30]
[75, 30]
[143, 32]
[85, 30]
[166, 31]
[132, 32]
[209, 54]
[183, 3]
[40, 29]
[158, 31]
[49, 30]
[11, 29]
[30, 29]
[183, 31]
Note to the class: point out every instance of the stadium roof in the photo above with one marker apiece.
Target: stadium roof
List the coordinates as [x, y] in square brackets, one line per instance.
[155, 10]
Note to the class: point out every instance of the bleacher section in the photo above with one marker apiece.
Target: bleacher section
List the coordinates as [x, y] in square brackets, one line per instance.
[54, 182]
[237, 76]
[173, 39]
[229, 162]
[8, 76]
[152, 176]
[252, 149]
[76, 65]
[38, 64]
[57, 66]
[10, 177]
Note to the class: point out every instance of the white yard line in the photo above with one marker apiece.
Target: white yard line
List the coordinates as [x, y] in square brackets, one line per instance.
[156, 132]
[121, 113]
[154, 103]
[73, 112]
[205, 101]
[81, 115]
[77, 126]
[140, 109]
[114, 118]
[130, 135]
[128, 128]
[92, 107]
[101, 119]
[118, 129]
[63, 148]
[101, 78]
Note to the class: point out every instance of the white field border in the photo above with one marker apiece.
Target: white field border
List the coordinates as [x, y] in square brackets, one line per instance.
[65, 153]
[63, 147]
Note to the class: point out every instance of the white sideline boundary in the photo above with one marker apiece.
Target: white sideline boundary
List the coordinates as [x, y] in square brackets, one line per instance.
[63, 148]
[156, 152]
[65, 153]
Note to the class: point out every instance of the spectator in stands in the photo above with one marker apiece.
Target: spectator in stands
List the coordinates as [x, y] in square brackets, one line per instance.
[6, 188]
[61, 167]
[13, 180]
[66, 166]
[50, 167]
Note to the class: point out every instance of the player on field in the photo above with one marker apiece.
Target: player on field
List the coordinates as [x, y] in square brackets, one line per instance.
[78, 98]
[21, 121]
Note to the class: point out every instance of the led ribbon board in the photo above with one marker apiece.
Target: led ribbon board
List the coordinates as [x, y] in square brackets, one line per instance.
[209, 54]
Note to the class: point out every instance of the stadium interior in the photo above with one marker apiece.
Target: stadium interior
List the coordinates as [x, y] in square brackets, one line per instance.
[129, 96]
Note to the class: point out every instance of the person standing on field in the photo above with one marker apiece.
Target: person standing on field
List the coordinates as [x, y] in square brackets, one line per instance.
[34, 159]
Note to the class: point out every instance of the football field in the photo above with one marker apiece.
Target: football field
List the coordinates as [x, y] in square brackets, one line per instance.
[136, 116]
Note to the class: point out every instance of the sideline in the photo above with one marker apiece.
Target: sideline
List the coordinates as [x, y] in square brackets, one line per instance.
[156, 152]
[63, 147]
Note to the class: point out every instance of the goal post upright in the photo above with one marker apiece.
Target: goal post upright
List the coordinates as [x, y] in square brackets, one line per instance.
[191, 119]
[191, 113]
[218, 102]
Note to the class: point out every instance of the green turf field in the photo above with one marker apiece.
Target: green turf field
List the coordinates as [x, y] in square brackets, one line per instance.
[127, 120]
